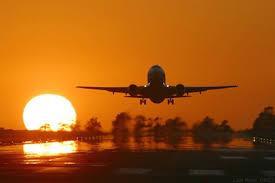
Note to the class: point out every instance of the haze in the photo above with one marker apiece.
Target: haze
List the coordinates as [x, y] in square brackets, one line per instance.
[52, 46]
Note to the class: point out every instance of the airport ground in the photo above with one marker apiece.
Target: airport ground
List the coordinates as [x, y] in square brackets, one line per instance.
[216, 165]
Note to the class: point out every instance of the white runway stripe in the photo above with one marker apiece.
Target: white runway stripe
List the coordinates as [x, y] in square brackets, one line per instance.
[269, 158]
[206, 172]
[133, 171]
[268, 173]
[233, 157]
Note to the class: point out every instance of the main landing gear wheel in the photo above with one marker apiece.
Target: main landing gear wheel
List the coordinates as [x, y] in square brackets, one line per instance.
[171, 101]
[142, 102]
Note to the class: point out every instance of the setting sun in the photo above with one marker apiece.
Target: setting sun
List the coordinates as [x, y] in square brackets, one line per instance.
[49, 112]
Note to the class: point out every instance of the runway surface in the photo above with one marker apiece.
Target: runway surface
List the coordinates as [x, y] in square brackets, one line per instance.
[63, 163]
[137, 161]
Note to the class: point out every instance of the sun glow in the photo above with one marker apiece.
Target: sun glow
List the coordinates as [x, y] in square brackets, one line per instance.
[50, 148]
[49, 112]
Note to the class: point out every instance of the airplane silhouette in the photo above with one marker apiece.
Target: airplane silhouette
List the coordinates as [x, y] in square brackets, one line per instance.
[156, 89]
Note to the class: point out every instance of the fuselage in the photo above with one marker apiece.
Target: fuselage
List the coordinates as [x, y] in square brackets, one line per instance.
[156, 87]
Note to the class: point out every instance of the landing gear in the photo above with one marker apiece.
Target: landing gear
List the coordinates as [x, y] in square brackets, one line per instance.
[142, 102]
[170, 101]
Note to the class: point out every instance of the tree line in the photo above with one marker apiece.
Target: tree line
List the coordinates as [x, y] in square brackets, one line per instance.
[139, 126]
[125, 124]
[264, 125]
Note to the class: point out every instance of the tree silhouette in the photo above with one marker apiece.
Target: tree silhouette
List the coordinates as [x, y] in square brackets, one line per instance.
[76, 127]
[175, 126]
[64, 127]
[206, 126]
[121, 124]
[158, 131]
[140, 124]
[45, 127]
[224, 127]
[207, 131]
[265, 122]
[93, 126]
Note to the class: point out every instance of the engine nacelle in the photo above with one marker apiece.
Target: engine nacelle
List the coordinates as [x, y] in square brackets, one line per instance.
[180, 89]
[133, 90]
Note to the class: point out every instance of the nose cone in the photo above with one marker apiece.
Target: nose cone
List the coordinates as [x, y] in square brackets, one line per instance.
[156, 73]
[156, 70]
[156, 67]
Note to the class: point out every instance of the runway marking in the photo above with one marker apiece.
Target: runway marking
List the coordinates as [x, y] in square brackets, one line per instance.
[268, 173]
[269, 158]
[133, 171]
[57, 170]
[95, 165]
[242, 150]
[233, 157]
[234, 150]
[83, 164]
[69, 163]
[206, 172]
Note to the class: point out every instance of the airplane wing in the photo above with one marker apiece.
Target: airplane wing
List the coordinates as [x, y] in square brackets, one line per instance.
[110, 89]
[205, 88]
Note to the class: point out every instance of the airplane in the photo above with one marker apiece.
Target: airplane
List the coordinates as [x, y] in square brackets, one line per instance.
[156, 88]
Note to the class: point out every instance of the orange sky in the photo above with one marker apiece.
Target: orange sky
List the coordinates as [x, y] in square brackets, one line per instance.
[52, 46]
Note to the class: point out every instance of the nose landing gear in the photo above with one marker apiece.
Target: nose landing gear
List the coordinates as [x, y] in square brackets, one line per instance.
[170, 101]
[142, 102]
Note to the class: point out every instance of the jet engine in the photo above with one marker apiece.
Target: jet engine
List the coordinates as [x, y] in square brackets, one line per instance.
[133, 90]
[180, 89]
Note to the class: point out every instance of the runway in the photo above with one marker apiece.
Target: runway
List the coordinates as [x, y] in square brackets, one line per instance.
[214, 165]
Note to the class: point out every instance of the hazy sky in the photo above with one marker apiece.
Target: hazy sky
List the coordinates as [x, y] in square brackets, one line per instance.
[50, 46]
